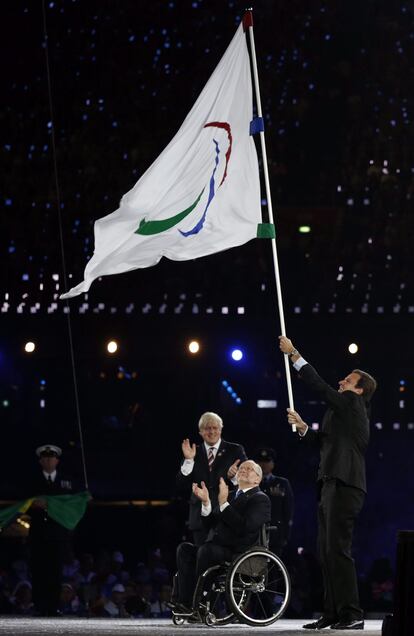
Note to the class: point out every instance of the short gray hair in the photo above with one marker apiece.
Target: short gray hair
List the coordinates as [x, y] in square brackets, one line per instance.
[257, 469]
[207, 417]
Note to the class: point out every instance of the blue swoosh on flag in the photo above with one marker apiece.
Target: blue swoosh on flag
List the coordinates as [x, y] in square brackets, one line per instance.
[211, 194]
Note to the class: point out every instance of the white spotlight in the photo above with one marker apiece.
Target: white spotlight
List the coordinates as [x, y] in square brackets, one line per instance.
[194, 346]
[353, 348]
[112, 346]
[29, 347]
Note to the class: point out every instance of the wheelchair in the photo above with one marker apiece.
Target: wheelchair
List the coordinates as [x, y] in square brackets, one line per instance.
[253, 589]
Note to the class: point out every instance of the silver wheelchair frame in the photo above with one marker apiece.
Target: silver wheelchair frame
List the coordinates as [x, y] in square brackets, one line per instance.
[253, 589]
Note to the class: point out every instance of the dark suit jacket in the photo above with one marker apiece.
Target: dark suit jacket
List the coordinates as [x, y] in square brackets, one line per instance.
[344, 434]
[238, 526]
[225, 457]
[42, 527]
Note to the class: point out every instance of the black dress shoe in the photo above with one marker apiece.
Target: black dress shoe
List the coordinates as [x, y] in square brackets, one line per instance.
[171, 604]
[355, 624]
[322, 622]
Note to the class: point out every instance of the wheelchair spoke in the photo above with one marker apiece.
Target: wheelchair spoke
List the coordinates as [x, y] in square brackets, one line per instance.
[266, 581]
[259, 600]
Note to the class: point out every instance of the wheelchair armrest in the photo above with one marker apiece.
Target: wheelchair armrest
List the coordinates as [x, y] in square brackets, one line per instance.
[265, 531]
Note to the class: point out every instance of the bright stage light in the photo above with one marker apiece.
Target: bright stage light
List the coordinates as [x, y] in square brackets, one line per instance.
[237, 355]
[353, 348]
[232, 393]
[194, 346]
[112, 346]
[304, 229]
[29, 347]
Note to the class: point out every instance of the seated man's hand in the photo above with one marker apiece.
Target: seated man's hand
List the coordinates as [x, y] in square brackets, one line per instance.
[39, 504]
[233, 469]
[189, 450]
[295, 419]
[202, 493]
[223, 494]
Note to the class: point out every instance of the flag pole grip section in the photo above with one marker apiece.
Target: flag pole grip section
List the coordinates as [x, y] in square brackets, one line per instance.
[248, 26]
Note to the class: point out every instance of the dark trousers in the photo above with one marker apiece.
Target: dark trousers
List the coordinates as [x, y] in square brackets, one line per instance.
[192, 561]
[339, 506]
[200, 536]
[46, 560]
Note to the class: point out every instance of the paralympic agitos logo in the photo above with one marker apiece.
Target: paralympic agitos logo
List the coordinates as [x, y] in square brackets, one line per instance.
[147, 228]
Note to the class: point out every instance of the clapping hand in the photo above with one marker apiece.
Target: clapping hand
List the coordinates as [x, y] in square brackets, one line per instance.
[223, 492]
[202, 493]
[233, 469]
[189, 450]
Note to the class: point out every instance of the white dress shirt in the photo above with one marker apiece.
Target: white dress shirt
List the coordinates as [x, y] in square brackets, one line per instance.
[188, 464]
[51, 475]
[206, 510]
[300, 362]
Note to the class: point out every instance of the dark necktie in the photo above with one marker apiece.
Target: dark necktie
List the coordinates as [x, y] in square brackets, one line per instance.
[210, 458]
[239, 492]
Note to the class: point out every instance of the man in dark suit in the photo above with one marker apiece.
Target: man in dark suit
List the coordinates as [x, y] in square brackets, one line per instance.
[234, 525]
[208, 462]
[48, 540]
[280, 493]
[343, 440]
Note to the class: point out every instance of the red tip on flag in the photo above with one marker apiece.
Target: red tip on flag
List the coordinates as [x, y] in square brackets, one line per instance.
[248, 19]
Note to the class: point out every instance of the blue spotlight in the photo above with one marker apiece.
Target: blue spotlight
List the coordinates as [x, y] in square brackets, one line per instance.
[237, 354]
[232, 393]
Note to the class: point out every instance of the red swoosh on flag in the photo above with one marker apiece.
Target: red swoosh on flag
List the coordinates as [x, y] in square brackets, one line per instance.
[226, 126]
[157, 226]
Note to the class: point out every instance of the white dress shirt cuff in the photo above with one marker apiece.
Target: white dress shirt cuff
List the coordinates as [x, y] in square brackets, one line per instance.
[234, 480]
[187, 467]
[205, 509]
[224, 506]
[300, 362]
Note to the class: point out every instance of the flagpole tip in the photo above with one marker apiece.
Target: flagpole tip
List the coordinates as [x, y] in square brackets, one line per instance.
[248, 19]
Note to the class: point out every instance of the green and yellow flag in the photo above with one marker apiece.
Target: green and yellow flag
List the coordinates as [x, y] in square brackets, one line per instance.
[67, 510]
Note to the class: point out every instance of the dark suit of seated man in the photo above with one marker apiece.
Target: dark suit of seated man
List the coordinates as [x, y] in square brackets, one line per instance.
[234, 527]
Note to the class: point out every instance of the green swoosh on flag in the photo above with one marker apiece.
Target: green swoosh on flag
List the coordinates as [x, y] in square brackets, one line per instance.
[155, 227]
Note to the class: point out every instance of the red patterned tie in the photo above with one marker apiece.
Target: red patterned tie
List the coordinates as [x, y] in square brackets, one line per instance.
[210, 458]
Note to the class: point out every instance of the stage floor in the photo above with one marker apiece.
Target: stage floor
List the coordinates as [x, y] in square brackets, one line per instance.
[154, 627]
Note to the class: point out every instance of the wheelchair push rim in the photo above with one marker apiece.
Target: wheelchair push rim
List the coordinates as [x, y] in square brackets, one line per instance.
[265, 580]
[213, 603]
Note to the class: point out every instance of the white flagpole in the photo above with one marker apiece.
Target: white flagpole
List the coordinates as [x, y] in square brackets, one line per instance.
[248, 24]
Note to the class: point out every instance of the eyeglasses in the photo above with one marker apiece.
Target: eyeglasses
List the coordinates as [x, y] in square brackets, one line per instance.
[249, 469]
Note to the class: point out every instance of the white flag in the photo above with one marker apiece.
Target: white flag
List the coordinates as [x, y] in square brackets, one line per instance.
[201, 195]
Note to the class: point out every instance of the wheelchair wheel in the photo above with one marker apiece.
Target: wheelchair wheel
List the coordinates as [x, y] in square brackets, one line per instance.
[178, 620]
[212, 598]
[261, 579]
[210, 619]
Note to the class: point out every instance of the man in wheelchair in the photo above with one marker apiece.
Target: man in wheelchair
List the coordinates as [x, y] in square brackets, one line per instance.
[234, 527]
